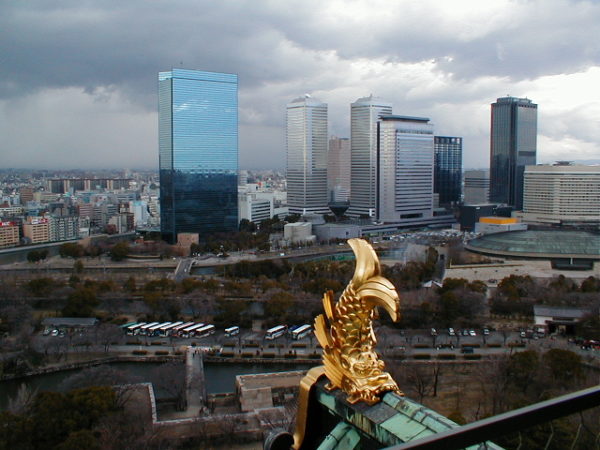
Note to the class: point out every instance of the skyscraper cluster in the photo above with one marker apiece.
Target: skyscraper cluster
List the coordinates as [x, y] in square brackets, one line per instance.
[387, 165]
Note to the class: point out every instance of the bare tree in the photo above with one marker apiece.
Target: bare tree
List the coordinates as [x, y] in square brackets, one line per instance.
[170, 377]
[22, 401]
[106, 334]
[103, 375]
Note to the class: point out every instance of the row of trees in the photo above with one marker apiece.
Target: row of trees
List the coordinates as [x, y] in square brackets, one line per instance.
[504, 384]
[516, 294]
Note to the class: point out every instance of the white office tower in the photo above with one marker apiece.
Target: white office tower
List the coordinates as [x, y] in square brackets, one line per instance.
[561, 194]
[255, 208]
[306, 144]
[364, 114]
[338, 169]
[405, 179]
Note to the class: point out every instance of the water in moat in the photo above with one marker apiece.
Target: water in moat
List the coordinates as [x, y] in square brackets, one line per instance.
[219, 377]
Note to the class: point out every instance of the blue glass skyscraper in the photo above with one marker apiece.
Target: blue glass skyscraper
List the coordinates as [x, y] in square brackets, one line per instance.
[447, 171]
[198, 152]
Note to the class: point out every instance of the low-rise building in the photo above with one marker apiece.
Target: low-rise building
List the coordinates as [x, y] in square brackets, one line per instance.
[298, 232]
[558, 319]
[9, 234]
[37, 230]
[488, 225]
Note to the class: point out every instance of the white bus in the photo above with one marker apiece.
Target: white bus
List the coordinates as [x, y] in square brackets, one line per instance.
[134, 329]
[232, 331]
[301, 332]
[176, 330]
[206, 330]
[166, 330]
[144, 329]
[275, 332]
[189, 331]
[153, 331]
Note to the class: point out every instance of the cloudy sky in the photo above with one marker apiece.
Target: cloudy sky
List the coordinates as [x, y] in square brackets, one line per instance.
[78, 79]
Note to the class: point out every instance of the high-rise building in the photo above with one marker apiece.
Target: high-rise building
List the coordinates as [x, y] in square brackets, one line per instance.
[306, 144]
[477, 187]
[447, 175]
[405, 175]
[338, 169]
[198, 152]
[513, 146]
[364, 115]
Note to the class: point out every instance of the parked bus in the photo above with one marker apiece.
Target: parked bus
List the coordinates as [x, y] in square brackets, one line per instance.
[135, 328]
[275, 332]
[176, 330]
[154, 331]
[166, 330]
[144, 329]
[127, 325]
[206, 330]
[189, 331]
[232, 331]
[301, 332]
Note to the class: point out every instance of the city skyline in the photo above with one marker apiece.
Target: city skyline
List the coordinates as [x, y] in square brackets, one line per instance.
[78, 87]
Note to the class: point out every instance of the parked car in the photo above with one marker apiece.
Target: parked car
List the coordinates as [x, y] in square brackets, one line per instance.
[451, 332]
[433, 332]
[486, 332]
[472, 333]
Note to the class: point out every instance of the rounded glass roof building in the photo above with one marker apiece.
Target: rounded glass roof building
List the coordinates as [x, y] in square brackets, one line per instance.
[546, 244]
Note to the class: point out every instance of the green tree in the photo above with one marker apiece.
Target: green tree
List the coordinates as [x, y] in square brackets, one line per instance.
[71, 250]
[279, 305]
[130, 285]
[514, 287]
[522, 369]
[37, 255]
[563, 366]
[80, 439]
[41, 286]
[81, 303]
[78, 267]
[56, 416]
[589, 326]
[590, 284]
[246, 225]
[119, 251]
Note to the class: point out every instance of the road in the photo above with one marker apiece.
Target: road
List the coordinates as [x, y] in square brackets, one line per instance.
[391, 342]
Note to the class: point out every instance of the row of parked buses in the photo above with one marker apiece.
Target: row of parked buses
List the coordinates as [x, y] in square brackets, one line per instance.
[191, 329]
[173, 329]
[295, 332]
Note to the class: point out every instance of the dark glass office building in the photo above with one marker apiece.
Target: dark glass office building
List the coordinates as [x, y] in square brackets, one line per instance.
[513, 146]
[447, 169]
[198, 152]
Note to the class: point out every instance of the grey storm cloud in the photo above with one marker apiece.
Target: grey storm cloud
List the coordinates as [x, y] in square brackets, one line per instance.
[426, 59]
